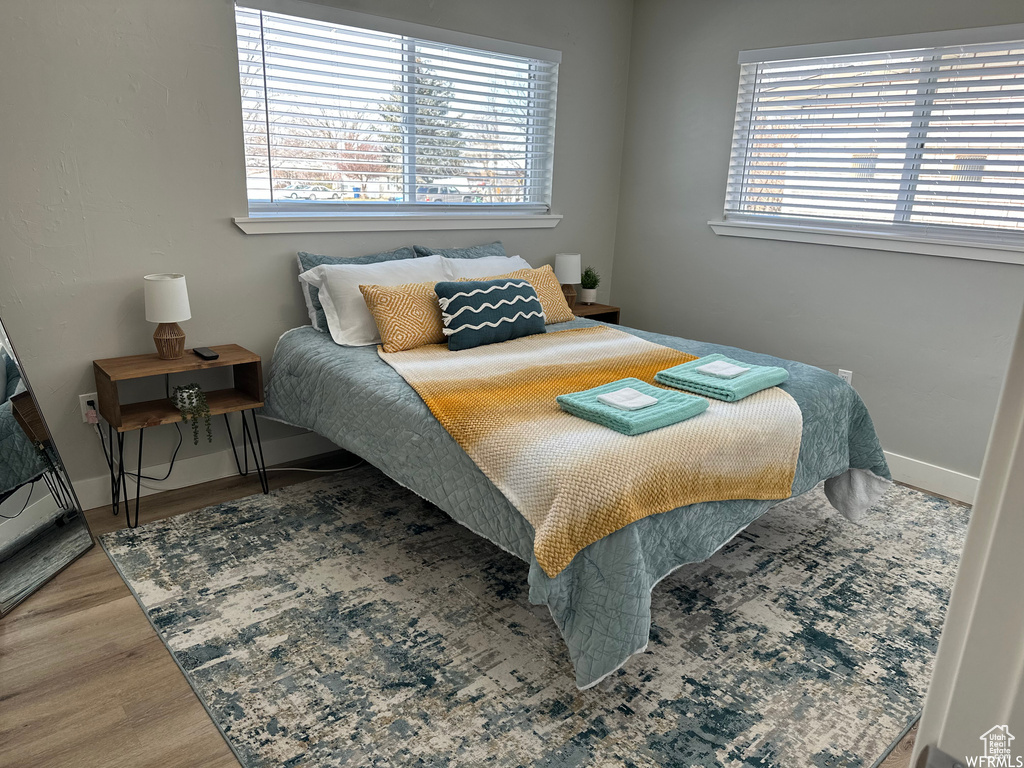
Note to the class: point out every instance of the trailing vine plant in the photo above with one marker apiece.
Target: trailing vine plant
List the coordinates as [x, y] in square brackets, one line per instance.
[44, 456]
[191, 401]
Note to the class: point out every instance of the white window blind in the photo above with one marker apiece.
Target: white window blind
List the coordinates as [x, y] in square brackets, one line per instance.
[926, 141]
[344, 119]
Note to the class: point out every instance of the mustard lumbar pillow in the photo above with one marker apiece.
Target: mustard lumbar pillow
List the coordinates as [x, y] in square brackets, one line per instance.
[548, 289]
[407, 316]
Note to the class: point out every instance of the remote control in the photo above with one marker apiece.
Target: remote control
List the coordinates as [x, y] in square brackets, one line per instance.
[206, 353]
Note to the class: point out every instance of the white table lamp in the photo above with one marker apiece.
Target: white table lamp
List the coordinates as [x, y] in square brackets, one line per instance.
[568, 267]
[167, 304]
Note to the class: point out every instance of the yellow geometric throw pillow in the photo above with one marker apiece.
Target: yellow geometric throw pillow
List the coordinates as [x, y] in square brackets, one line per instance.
[407, 316]
[548, 289]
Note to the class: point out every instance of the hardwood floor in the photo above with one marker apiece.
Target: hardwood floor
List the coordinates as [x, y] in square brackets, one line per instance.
[901, 753]
[86, 682]
[84, 679]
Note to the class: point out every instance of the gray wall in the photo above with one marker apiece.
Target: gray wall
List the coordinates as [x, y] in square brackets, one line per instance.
[928, 338]
[122, 155]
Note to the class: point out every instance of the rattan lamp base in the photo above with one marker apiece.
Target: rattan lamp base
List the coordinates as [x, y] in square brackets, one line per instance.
[170, 341]
[570, 294]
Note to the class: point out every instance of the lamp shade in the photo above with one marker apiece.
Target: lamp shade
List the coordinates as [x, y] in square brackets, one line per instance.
[166, 298]
[568, 267]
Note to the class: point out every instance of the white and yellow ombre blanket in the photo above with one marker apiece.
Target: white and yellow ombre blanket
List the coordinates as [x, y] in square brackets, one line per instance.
[575, 481]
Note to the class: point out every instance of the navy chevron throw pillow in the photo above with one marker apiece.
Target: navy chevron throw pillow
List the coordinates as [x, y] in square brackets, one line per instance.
[478, 312]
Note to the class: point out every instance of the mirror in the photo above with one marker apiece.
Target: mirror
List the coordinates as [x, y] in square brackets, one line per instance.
[42, 528]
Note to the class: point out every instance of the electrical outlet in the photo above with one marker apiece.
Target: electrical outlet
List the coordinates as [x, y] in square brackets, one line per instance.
[83, 404]
[846, 376]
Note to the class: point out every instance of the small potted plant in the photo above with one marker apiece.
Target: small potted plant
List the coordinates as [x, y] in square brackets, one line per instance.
[588, 285]
[191, 401]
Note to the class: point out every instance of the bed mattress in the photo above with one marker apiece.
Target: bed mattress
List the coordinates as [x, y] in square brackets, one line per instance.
[601, 600]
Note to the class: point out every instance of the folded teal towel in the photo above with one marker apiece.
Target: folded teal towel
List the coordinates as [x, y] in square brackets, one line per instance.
[686, 377]
[671, 408]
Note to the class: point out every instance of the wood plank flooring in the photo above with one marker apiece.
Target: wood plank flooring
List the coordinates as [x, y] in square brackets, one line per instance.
[901, 753]
[86, 682]
[84, 679]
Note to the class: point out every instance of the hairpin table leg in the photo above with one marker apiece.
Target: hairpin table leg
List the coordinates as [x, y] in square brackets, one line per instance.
[58, 490]
[138, 486]
[234, 451]
[248, 445]
[115, 489]
[121, 483]
[261, 467]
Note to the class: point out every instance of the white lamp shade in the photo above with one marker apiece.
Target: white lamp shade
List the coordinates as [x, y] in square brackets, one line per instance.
[568, 267]
[166, 298]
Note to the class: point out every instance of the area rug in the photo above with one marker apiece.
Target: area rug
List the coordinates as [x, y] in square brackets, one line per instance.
[345, 621]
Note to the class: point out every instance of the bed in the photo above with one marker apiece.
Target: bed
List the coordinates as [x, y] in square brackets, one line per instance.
[601, 600]
[20, 461]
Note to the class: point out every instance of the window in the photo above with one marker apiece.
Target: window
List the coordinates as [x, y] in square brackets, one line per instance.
[343, 119]
[921, 141]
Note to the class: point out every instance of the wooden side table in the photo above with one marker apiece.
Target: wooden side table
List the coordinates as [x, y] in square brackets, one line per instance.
[245, 395]
[606, 313]
[28, 418]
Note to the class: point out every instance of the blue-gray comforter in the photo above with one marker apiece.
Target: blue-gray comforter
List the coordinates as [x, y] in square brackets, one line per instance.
[20, 462]
[601, 601]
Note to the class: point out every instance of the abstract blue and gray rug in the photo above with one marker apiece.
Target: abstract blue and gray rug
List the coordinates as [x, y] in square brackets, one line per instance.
[345, 621]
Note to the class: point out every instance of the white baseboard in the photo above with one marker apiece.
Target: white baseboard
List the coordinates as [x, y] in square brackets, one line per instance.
[928, 477]
[95, 491]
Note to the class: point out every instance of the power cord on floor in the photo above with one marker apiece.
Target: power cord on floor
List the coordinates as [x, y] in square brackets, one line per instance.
[304, 469]
[108, 455]
[24, 506]
[92, 416]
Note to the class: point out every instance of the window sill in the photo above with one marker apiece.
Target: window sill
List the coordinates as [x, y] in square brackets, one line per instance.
[391, 222]
[872, 240]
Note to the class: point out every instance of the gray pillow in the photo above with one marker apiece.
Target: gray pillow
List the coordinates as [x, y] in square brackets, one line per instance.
[473, 252]
[309, 260]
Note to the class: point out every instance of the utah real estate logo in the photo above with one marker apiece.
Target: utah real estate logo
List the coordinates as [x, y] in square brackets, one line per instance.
[998, 752]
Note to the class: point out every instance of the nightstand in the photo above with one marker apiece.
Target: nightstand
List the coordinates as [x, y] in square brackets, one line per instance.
[245, 395]
[606, 313]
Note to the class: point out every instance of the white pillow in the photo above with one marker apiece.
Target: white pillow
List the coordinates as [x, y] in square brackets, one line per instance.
[348, 318]
[487, 266]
